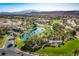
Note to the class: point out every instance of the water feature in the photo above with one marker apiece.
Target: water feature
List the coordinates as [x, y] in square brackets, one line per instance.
[34, 31]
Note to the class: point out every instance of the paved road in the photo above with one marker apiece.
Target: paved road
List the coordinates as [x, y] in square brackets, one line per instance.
[12, 51]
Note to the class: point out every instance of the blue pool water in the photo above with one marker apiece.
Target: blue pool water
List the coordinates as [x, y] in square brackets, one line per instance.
[34, 31]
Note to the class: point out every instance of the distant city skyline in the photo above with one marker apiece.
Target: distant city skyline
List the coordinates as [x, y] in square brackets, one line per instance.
[14, 7]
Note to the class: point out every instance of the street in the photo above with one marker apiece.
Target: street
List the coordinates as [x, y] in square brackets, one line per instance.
[12, 50]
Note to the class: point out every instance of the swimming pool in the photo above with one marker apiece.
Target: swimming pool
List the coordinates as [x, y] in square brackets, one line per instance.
[34, 31]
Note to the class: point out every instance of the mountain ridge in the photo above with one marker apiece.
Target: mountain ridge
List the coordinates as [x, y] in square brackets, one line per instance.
[24, 12]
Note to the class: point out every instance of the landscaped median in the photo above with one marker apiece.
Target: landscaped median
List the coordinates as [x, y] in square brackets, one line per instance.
[64, 50]
[3, 41]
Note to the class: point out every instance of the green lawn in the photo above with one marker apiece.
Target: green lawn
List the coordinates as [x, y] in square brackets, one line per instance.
[57, 21]
[19, 42]
[66, 50]
[2, 41]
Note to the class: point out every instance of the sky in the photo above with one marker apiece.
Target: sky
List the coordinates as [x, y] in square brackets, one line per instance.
[13, 7]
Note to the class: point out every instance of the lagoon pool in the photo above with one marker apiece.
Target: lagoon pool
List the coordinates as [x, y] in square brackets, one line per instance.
[33, 32]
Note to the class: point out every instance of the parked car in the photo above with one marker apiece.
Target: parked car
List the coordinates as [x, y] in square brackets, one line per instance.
[10, 45]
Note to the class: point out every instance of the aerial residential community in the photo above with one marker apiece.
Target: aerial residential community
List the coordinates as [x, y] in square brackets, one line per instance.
[39, 33]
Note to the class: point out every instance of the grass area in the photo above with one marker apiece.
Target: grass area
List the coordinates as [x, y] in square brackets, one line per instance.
[57, 21]
[41, 25]
[19, 42]
[3, 40]
[66, 50]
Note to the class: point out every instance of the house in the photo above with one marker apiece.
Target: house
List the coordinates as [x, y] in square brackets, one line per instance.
[42, 21]
[71, 22]
[55, 41]
[77, 32]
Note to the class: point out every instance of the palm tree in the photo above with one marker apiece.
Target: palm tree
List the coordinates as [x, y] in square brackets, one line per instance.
[76, 52]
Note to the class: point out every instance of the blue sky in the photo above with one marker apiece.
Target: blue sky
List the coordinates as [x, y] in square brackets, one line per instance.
[12, 7]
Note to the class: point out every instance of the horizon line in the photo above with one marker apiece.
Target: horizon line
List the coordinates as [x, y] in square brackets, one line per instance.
[39, 10]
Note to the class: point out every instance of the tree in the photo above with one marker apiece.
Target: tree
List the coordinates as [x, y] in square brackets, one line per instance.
[76, 52]
[58, 31]
[34, 25]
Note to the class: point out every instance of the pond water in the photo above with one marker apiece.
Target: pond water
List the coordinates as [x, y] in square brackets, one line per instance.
[34, 31]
